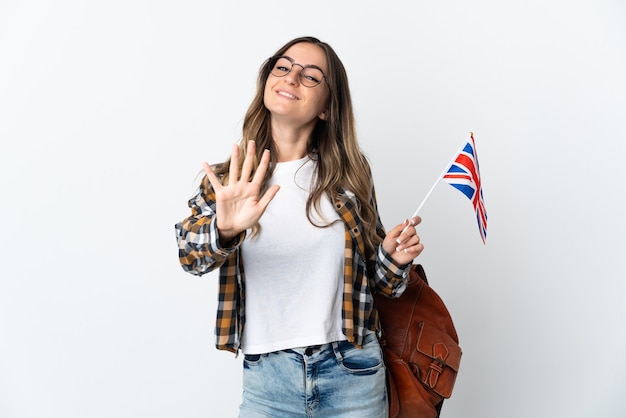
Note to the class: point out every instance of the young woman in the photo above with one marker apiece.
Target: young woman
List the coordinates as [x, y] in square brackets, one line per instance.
[291, 220]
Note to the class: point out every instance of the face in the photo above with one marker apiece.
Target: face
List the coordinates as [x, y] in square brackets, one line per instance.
[290, 101]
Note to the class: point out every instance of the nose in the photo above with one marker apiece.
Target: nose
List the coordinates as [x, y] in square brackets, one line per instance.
[293, 77]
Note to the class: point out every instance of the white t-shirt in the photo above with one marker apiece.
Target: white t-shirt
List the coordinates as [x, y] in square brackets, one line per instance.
[293, 270]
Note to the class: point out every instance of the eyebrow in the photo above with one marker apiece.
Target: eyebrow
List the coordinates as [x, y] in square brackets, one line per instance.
[305, 66]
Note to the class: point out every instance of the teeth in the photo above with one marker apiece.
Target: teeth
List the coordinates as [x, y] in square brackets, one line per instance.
[291, 96]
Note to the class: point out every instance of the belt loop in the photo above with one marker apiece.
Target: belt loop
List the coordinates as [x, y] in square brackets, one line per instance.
[338, 355]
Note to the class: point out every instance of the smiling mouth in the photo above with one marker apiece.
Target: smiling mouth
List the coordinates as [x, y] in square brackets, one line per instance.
[288, 95]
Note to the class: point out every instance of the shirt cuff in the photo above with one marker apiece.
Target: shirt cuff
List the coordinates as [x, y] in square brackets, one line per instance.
[232, 244]
[397, 270]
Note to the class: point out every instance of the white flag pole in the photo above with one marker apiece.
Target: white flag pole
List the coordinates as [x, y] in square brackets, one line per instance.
[439, 179]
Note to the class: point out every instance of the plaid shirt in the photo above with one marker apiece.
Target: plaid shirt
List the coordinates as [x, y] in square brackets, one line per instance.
[200, 252]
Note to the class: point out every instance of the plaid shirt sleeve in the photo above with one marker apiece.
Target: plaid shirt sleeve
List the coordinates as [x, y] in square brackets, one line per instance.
[390, 279]
[199, 248]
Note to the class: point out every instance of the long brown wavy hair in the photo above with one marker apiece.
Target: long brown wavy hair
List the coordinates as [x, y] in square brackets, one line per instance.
[340, 162]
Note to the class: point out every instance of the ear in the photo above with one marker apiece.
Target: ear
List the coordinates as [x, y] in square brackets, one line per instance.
[323, 115]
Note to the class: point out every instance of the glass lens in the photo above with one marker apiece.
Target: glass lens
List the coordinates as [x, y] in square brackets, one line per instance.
[311, 76]
[281, 67]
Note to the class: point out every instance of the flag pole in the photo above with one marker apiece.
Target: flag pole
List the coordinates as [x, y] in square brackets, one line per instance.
[438, 179]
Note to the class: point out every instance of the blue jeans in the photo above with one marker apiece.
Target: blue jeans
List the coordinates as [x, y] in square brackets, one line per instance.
[334, 380]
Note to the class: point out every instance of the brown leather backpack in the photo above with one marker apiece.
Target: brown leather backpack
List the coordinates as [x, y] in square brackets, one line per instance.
[421, 349]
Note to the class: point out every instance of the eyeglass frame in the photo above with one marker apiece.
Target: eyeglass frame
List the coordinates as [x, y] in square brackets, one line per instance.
[272, 61]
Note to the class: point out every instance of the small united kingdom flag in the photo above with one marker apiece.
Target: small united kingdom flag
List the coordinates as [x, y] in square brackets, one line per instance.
[464, 175]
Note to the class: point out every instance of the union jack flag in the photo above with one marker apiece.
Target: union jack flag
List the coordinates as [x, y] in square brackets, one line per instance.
[464, 175]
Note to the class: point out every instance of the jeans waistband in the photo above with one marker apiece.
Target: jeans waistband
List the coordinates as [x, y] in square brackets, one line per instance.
[312, 349]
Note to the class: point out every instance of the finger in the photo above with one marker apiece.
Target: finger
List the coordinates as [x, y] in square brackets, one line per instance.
[408, 230]
[259, 174]
[408, 243]
[233, 171]
[215, 182]
[414, 221]
[248, 162]
[410, 246]
[268, 196]
[414, 250]
[398, 229]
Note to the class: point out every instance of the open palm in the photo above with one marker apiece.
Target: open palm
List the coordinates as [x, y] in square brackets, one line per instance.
[239, 204]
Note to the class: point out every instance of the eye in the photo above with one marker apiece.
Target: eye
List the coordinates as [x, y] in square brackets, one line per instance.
[312, 75]
[311, 78]
[282, 65]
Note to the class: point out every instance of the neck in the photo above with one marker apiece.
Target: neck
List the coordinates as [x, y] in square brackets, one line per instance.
[291, 142]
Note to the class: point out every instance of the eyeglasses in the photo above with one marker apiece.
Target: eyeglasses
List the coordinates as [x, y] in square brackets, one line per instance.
[309, 75]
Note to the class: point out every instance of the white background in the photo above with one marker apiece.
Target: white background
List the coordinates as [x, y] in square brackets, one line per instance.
[107, 110]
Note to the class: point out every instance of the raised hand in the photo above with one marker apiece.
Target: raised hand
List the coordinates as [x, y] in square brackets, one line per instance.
[402, 242]
[239, 204]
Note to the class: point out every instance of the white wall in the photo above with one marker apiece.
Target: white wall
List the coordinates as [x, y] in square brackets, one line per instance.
[108, 108]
